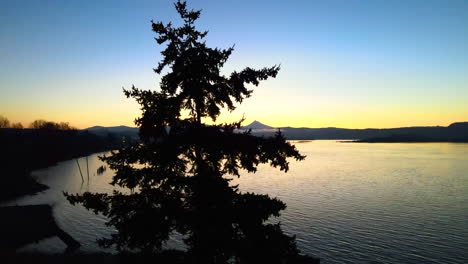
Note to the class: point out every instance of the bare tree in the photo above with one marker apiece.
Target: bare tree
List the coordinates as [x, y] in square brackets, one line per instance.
[4, 122]
[17, 125]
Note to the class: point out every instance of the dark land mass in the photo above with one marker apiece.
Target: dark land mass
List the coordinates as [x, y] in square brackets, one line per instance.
[17, 230]
[456, 132]
[165, 257]
[168, 256]
[25, 150]
[122, 131]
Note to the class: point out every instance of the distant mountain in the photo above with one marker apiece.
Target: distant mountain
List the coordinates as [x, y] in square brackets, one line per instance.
[455, 132]
[257, 125]
[116, 130]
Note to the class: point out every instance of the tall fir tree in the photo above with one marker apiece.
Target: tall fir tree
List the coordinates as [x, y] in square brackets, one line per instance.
[179, 176]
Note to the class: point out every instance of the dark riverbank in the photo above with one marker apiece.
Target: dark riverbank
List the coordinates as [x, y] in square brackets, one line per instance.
[170, 256]
[167, 256]
[25, 150]
[17, 229]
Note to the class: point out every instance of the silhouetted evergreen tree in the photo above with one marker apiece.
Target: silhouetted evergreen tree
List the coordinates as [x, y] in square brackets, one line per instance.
[179, 175]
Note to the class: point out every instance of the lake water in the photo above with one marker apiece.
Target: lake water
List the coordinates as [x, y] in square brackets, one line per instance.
[347, 202]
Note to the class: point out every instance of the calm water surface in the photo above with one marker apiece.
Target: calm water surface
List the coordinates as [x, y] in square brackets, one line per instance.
[347, 202]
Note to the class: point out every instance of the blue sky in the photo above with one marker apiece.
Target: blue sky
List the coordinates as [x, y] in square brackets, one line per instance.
[344, 63]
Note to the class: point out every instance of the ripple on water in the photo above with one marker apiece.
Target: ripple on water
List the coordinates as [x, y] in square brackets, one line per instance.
[346, 203]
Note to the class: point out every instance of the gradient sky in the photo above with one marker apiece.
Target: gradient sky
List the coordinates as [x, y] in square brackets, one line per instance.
[353, 64]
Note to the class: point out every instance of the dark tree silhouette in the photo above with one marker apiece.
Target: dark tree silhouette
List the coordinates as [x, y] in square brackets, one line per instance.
[179, 176]
[50, 125]
[17, 125]
[4, 122]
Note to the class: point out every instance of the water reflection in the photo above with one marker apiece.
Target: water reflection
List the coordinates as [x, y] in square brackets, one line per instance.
[388, 203]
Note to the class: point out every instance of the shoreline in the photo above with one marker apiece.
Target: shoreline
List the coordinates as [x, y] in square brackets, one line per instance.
[24, 151]
[25, 184]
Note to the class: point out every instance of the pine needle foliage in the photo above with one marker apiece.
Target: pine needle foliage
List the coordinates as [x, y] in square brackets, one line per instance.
[180, 173]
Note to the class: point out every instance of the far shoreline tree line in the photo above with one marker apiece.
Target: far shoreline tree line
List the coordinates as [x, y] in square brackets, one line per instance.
[36, 124]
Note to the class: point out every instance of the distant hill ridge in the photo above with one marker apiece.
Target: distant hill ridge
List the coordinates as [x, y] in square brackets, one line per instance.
[119, 130]
[454, 132]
